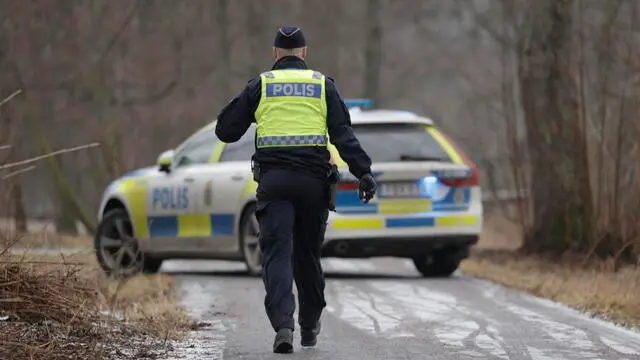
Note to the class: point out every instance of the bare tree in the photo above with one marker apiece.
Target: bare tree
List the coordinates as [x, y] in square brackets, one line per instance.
[555, 141]
[373, 50]
[224, 45]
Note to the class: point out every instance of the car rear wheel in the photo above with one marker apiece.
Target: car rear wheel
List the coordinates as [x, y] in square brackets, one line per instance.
[438, 264]
[249, 232]
[117, 250]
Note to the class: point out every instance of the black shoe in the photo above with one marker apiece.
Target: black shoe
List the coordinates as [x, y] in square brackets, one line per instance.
[283, 343]
[309, 336]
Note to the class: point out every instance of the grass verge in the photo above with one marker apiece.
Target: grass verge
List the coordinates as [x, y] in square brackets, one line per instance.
[595, 290]
[54, 307]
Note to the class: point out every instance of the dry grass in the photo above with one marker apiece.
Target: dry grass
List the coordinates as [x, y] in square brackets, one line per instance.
[499, 231]
[66, 308]
[46, 239]
[610, 295]
[55, 307]
[54, 241]
[595, 289]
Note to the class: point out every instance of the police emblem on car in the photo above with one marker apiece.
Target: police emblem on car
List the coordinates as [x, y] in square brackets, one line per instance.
[208, 193]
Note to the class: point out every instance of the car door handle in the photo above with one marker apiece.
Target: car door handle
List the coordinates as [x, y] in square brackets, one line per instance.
[237, 177]
[188, 180]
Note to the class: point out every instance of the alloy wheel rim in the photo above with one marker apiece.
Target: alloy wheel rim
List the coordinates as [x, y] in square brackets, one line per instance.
[119, 248]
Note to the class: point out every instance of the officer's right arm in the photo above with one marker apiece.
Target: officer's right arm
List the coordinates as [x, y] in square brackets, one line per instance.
[237, 116]
[341, 133]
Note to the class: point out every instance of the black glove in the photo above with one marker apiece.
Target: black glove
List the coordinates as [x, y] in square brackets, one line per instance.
[367, 187]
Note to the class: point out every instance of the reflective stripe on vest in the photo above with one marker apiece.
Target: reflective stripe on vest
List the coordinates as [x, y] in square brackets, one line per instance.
[292, 140]
[292, 109]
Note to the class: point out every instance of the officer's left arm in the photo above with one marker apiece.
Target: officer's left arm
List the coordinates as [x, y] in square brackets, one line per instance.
[341, 133]
[237, 116]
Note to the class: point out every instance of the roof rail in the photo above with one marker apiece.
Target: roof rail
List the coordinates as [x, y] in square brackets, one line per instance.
[360, 103]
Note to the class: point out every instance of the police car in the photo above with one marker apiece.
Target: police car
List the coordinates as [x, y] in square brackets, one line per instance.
[198, 201]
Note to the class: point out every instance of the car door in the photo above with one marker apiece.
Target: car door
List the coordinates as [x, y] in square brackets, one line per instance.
[223, 188]
[172, 199]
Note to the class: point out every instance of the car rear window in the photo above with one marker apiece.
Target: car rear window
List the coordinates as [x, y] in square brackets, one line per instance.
[389, 142]
[383, 143]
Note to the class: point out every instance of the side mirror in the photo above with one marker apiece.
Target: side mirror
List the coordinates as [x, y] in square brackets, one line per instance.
[164, 161]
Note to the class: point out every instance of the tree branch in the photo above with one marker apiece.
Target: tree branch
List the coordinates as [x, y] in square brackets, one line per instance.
[8, 98]
[17, 172]
[106, 51]
[154, 97]
[149, 99]
[48, 155]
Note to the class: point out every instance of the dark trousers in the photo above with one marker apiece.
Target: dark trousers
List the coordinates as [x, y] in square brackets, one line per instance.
[292, 212]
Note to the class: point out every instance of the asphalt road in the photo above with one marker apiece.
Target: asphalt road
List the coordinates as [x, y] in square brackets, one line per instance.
[381, 309]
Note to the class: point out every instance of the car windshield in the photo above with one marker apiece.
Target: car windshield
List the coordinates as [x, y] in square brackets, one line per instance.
[194, 135]
[399, 142]
[198, 149]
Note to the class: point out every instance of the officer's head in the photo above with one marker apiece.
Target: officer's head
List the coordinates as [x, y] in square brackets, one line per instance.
[289, 41]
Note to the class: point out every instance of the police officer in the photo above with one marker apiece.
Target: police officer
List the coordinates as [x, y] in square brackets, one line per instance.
[295, 110]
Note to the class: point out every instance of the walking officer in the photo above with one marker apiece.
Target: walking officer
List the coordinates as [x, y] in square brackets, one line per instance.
[296, 111]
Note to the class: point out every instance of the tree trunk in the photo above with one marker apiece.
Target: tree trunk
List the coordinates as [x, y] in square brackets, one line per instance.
[560, 192]
[255, 28]
[373, 51]
[19, 215]
[65, 220]
[224, 59]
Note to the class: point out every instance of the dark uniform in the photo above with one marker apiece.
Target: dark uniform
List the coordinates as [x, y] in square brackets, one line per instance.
[293, 189]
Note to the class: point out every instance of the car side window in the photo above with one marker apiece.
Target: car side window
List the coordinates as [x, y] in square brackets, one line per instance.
[198, 149]
[241, 150]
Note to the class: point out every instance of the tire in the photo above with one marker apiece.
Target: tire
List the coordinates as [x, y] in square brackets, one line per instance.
[439, 264]
[248, 235]
[151, 265]
[115, 236]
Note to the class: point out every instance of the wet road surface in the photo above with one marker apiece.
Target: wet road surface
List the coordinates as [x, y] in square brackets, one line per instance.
[381, 309]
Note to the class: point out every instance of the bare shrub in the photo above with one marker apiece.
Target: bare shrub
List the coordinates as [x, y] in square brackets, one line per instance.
[61, 308]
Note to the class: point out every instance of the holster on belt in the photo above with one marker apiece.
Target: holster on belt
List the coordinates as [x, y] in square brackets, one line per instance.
[333, 177]
[255, 170]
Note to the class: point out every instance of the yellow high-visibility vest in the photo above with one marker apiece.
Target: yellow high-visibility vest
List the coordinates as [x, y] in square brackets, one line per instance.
[292, 109]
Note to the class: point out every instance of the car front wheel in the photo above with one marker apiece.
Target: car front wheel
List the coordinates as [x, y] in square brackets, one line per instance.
[438, 264]
[117, 249]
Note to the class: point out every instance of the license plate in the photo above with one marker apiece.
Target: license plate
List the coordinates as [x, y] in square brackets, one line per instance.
[400, 190]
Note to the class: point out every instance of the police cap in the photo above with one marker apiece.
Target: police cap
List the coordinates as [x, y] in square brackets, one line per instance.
[289, 37]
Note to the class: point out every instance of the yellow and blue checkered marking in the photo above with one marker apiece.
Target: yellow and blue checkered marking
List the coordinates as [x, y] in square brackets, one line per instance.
[191, 225]
[457, 199]
[372, 223]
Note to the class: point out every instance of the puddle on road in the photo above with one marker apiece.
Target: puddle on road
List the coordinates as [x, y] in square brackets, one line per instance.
[208, 342]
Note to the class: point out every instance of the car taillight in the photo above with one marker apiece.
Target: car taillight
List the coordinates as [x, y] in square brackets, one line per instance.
[474, 177]
[347, 186]
[472, 180]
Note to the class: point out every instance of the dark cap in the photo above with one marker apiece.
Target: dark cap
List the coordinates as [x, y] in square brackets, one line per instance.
[289, 37]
